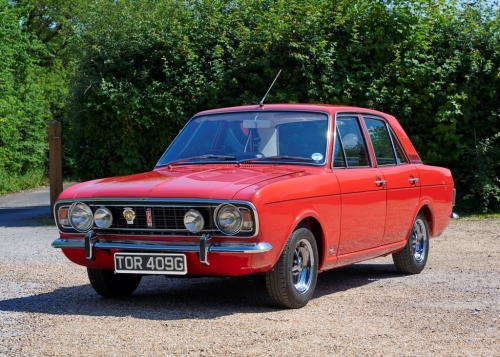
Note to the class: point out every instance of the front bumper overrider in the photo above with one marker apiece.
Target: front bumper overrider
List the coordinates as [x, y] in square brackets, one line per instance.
[203, 247]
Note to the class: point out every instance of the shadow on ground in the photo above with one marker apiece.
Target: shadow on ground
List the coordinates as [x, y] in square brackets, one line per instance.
[26, 216]
[160, 298]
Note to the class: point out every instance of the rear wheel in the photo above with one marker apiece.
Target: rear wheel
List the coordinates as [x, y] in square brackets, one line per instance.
[111, 285]
[413, 257]
[292, 281]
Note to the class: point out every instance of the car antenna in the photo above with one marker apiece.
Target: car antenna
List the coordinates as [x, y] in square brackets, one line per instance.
[261, 103]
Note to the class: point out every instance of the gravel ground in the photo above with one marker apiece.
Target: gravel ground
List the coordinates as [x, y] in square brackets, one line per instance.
[47, 307]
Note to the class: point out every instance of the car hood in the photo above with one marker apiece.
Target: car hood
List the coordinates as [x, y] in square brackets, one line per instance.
[180, 182]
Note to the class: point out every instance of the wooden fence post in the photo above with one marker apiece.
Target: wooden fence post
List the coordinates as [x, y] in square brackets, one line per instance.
[55, 163]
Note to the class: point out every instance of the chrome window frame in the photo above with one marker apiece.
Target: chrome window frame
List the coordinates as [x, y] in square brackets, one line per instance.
[358, 117]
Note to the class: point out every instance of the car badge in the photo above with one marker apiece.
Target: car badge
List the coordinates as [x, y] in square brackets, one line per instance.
[149, 218]
[129, 215]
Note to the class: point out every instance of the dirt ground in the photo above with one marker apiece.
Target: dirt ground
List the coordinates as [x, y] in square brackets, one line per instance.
[47, 307]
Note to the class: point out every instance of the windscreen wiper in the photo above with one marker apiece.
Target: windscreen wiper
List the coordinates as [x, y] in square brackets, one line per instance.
[208, 156]
[278, 158]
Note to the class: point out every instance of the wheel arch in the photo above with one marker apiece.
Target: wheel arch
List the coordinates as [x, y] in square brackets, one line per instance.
[317, 230]
[426, 209]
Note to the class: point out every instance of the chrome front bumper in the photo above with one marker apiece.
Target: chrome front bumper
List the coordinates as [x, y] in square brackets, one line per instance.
[91, 242]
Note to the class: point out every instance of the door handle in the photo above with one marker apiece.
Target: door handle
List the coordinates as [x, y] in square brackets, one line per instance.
[414, 180]
[380, 183]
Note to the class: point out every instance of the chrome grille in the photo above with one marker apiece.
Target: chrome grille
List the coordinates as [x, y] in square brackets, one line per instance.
[163, 218]
[167, 217]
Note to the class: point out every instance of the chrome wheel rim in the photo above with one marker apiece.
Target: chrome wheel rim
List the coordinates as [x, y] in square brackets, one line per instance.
[419, 240]
[303, 266]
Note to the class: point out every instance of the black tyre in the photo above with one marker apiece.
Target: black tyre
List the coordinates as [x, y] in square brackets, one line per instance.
[413, 257]
[111, 285]
[292, 281]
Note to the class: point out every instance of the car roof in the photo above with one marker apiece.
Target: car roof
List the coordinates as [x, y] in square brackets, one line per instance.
[330, 108]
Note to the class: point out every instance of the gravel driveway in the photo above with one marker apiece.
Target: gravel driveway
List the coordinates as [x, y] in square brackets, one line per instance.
[47, 307]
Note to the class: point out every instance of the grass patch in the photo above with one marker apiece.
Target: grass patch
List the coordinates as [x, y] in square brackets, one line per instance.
[16, 183]
[478, 216]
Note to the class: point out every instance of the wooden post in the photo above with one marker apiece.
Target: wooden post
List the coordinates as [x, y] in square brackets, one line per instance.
[55, 163]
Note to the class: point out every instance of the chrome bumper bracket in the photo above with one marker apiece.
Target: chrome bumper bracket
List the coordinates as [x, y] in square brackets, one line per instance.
[89, 240]
[204, 249]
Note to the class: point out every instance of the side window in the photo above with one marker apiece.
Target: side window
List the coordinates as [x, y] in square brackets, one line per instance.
[338, 152]
[353, 142]
[381, 141]
[400, 156]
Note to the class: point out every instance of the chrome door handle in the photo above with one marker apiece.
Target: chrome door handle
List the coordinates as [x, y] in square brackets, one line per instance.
[380, 183]
[414, 180]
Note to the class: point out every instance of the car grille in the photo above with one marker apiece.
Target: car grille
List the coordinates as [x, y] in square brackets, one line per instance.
[166, 217]
[165, 220]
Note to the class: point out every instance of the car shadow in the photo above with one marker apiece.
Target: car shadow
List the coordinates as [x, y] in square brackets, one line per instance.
[160, 298]
[26, 216]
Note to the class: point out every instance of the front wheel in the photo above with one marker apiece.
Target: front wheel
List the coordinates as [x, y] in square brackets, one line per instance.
[292, 281]
[413, 257]
[108, 284]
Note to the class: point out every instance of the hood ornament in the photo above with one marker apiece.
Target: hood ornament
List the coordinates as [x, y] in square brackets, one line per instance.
[129, 215]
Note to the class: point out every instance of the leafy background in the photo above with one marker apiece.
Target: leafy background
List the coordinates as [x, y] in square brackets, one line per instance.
[123, 77]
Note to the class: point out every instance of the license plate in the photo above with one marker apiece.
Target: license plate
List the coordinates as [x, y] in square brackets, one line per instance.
[147, 263]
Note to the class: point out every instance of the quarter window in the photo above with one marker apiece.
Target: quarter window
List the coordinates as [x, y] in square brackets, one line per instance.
[400, 156]
[338, 153]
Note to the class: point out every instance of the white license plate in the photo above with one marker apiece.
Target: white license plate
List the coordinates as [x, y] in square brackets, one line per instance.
[151, 263]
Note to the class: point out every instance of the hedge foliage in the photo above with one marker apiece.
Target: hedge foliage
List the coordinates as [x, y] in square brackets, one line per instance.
[24, 112]
[149, 66]
[144, 67]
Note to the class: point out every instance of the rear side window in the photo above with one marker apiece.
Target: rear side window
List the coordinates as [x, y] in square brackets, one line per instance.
[353, 142]
[381, 142]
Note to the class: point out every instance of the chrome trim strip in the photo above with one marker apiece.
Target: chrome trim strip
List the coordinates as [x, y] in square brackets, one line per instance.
[186, 247]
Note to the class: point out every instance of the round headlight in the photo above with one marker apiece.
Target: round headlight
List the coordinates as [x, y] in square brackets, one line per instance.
[228, 219]
[103, 217]
[80, 216]
[193, 220]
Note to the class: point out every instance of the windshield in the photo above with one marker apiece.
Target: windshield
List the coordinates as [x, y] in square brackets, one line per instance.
[280, 136]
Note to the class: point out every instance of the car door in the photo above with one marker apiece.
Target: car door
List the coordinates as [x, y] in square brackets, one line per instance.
[402, 179]
[363, 195]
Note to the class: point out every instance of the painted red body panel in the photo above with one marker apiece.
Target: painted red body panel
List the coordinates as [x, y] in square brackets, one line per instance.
[352, 218]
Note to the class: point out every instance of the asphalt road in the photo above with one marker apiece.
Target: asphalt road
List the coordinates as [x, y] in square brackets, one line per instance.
[19, 208]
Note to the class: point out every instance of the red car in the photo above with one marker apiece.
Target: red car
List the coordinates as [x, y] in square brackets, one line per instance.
[285, 191]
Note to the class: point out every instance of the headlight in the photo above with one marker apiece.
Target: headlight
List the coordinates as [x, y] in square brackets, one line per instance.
[80, 216]
[103, 217]
[228, 219]
[193, 220]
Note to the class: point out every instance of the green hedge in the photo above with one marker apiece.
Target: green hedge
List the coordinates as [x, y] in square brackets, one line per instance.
[24, 108]
[145, 67]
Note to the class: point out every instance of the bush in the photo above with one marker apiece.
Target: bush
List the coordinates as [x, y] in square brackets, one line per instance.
[146, 67]
[24, 110]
